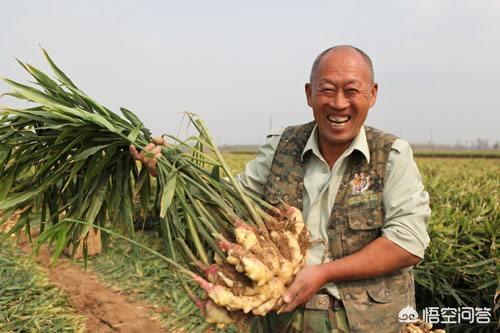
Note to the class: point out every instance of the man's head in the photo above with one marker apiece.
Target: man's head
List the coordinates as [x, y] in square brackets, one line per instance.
[340, 92]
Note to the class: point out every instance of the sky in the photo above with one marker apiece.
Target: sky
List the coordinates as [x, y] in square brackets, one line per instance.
[242, 65]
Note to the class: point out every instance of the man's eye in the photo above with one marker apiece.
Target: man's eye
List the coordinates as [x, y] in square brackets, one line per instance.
[327, 90]
[352, 91]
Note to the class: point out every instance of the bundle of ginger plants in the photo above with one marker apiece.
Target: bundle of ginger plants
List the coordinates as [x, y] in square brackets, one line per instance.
[64, 163]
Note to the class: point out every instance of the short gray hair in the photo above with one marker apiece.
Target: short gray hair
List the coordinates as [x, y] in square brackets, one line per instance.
[317, 61]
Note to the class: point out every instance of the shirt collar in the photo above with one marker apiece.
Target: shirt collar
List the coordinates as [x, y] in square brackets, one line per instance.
[359, 143]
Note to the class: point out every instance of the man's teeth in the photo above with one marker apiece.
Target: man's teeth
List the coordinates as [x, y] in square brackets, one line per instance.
[339, 119]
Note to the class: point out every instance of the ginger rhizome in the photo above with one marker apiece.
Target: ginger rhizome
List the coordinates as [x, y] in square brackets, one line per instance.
[259, 266]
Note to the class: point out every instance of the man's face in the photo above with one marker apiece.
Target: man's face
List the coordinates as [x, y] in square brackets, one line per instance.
[340, 95]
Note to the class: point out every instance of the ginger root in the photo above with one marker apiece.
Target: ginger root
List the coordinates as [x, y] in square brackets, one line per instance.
[259, 266]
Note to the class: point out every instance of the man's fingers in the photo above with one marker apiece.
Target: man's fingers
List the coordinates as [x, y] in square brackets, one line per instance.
[149, 146]
[296, 301]
[293, 295]
[145, 151]
[155, 150]
[133, 151]
[150, 163]
[158, 140]
[291, 292]
[151, 149]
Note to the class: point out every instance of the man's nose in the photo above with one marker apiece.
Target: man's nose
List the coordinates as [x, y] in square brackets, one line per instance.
[339, 101]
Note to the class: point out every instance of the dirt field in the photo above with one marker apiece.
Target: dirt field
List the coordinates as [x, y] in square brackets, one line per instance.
[106, 310]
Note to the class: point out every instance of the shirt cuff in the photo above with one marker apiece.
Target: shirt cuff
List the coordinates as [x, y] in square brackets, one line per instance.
[406, 241]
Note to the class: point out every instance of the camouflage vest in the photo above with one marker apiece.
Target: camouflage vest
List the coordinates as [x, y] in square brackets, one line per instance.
[372, 305]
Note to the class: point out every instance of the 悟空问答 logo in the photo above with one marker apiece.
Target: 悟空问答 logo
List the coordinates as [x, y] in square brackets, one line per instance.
[408, 315]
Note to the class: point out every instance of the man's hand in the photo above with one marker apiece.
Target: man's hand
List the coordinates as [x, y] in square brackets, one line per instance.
[153, 148]
[381, 256]
[306, 283]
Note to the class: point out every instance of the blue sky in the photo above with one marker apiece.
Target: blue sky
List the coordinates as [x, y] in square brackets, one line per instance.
[239, 64]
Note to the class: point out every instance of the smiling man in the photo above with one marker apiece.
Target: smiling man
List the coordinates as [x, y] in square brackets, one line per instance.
[361, 196]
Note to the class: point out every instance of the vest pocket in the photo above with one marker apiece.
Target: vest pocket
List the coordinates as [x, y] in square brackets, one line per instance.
[365, 219]
[379, 295]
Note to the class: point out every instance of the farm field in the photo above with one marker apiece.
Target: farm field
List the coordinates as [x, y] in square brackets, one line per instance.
[28, 301]
[460, 267]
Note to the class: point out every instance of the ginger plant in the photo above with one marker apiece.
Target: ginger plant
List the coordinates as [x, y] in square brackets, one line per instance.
[64, 159]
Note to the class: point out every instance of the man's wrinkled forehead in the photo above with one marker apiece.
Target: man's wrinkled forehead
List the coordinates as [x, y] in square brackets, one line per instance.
[343, 58]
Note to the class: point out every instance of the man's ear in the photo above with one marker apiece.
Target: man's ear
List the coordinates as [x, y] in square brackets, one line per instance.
[308, 90]
[373, 94]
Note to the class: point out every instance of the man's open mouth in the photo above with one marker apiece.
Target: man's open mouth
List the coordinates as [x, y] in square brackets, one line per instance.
[338, 120]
